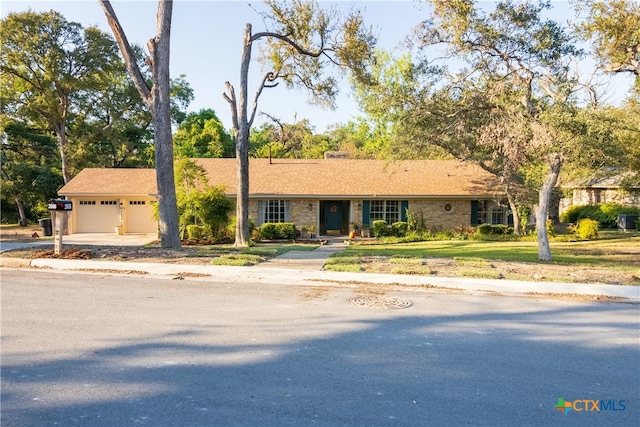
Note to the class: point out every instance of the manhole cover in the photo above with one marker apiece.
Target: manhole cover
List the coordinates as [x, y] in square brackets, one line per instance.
[390, 303]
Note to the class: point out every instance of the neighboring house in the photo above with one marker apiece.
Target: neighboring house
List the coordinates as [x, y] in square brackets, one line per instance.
[600, 190]
[323, 196]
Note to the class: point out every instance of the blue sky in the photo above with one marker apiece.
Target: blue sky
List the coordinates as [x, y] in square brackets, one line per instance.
[206, 38]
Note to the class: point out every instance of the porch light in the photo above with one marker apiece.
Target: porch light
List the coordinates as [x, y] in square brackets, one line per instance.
[359, 206]
[310, 206]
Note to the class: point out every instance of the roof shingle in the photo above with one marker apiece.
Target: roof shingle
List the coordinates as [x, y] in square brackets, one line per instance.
[318, 178]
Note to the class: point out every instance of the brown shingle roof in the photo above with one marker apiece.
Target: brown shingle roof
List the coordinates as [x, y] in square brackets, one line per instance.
[303, 178]
[115, 181]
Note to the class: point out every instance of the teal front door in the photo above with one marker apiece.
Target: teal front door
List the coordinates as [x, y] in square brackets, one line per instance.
[333, 215]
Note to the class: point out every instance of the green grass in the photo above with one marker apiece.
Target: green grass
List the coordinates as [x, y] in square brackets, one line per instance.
[619, 251]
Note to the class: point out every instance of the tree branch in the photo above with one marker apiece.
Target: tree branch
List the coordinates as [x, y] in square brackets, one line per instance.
[127, 52]
[269, 77]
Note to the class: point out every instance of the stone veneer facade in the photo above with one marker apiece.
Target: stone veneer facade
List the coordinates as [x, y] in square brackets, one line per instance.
[433, 211]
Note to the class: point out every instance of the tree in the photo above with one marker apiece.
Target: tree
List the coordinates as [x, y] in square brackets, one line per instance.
[157, 97]
[515, 47]
[29, 173]
[303, 41]
[202, 134]
[198, 201]
[47, 65]
[614, 28]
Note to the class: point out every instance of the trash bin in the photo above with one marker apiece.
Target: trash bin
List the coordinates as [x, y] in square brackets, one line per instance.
[45, 223]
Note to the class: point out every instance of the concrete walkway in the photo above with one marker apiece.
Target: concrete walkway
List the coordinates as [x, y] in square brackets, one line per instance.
[307, 260]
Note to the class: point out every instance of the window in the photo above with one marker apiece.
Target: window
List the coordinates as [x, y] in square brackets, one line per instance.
[490, 213]
[108, 202]
[137, 202]
[87, 202]
[385, 210]
[498, 215]
[273, 211]
[483, 211]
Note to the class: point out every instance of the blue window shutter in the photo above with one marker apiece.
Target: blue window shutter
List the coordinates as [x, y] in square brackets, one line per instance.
[366, 213]
[474, 212]
[404, 205]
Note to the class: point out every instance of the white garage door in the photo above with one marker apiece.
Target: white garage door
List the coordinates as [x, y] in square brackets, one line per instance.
[97, 216]
[140, 217]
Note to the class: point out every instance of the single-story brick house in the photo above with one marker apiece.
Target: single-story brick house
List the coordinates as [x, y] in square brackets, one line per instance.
[595, 190]
[323, 196]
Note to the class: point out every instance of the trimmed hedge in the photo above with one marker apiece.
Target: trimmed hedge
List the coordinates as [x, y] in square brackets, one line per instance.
[278, 231]
[498, 229]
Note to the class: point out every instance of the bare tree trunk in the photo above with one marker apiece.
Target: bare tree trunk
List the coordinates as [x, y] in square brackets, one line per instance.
[23, 218]
[61, 133]
[242, 147]
[544, 250]
[157, 98]
[161, 108]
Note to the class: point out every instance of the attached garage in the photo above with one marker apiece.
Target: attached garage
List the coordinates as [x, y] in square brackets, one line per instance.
[139, 216]
[96, 215]
[104, 199]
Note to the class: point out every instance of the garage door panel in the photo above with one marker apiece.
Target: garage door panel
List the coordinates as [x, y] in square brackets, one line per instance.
[140, 217]
[97, 216]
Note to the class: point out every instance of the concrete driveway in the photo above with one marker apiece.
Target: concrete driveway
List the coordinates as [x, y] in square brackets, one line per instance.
[99, 239]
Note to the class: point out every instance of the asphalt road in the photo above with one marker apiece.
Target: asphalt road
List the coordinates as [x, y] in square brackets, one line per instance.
[98, 350]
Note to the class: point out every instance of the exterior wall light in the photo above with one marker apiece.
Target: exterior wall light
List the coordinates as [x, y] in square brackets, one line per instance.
[310, 207]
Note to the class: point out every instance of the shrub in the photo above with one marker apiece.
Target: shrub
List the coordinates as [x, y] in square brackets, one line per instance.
[551, 228]
[399, 229]
[485, 229]
[606, 214]
[380, 229]
[194, 232]
[277, 231]
[498, 229]
[587, 228]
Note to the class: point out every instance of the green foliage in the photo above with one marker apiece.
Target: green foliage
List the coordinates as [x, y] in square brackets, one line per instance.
[489, 229]
[278, 231]
[194, 232]
[551, 228]
[606, 214]
[380, 229]
[399, 229]
[198, 202]
[202, 135]
[587, 228]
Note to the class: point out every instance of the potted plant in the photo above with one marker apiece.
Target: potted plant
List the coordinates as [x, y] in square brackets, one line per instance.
[353, 230]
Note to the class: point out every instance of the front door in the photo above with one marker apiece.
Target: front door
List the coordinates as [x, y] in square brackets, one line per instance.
[333, 216]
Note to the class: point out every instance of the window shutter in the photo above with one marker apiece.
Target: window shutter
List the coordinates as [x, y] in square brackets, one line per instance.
[474, 212]
[404, 205]
[366, 213]
[262, 212]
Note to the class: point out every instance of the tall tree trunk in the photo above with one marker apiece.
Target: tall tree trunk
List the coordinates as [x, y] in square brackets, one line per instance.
[23, 217]
[157, 98]
[242, 147]
[544, 250]
[161, 108]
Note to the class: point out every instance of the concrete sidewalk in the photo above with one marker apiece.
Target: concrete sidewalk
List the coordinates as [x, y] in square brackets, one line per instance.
[305, 268]
[315, 277]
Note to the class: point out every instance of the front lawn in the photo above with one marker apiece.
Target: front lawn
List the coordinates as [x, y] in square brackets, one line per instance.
[615, 259]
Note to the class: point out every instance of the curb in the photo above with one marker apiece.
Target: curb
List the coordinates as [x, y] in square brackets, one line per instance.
[289, 276]
[15, 262]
